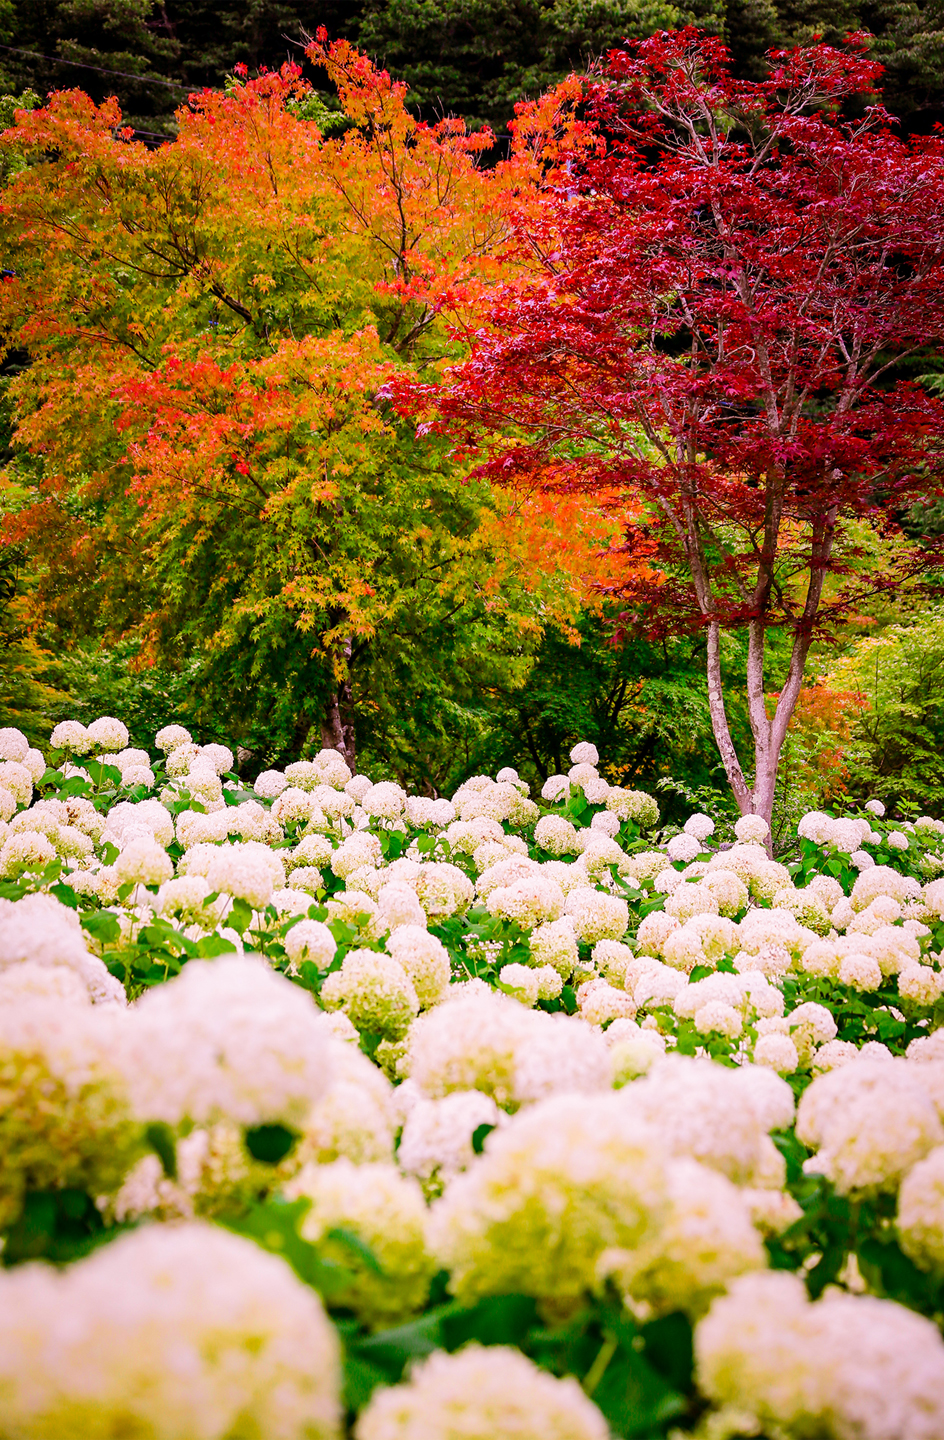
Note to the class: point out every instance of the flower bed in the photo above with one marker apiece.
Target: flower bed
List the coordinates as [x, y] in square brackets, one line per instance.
[478, 1117]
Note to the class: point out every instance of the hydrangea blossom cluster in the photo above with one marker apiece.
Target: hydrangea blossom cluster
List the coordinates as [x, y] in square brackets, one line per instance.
[536, 1043]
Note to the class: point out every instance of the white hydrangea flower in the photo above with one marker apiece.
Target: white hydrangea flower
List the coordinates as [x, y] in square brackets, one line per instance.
[136, 775]
[385, 801]
[220, 757]
[40, 929]
[96, 1348]
[481, 1040]
[689, 899]
[883, 880]
[654, 930]
[13, 744]
[920, 1219]
[557, 1187]
[25, 850]
[71, 735]
[555, 789]
[227, 1039]
[897, 840]
[310, 940]
[386, 1211]
[505, 872]
[269, 784]
[522, 981]
[375, 992]
[354, 851]
[534, 900]
[599, 853]
[442, 889]
[555, 834]
[833, 1054]
[868, 1122]
[35, 762]
[752, 829]
[108, 733]
[706, 1239]
[437, 1136]
[860, 971]
[18, 780]
[355, 1118]
[584, 753]
[424, 958]
[143, 862]
[683, 949]
[595, 915]
[129, 819]
[599, 1003]
[778, 1052]
[333, 768]
[172, 737]
[633, 805]
[555, 944]
[843, 1365]
[921, 984]
[481, 1393]
[715, 1017]
[711, 1113]
[656, 984]
[550, 982]
[812, 1024]
[398, 906]
[596, 790]
[248, 871]
[699, 825]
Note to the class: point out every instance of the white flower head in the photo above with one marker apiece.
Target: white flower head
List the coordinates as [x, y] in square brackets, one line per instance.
[752, 829]
[108, 733]
[584, 753]
[701, 826]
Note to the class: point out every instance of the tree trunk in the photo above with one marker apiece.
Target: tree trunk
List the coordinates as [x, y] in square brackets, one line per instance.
[337, 722]
[337, 728]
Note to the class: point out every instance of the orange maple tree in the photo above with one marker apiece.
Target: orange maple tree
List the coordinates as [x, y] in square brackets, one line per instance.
[203, 454]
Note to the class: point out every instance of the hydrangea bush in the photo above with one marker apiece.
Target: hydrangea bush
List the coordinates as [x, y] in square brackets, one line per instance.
[548, 1121]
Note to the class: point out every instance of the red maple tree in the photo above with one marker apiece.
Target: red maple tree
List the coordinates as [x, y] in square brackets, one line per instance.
[724, 288]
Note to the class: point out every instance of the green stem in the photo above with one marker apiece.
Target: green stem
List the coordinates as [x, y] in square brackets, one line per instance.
[595, 1374]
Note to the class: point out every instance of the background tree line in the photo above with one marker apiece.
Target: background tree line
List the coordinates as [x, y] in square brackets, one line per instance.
[472, 58]
[448, 688]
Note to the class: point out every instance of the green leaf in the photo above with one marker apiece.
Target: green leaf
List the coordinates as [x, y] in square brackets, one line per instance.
[65, 895]
[239, 916]
[274, 1225]
[358, 1248]
[56, 1225]
[392, 1350]
[361, 1379]
[212, 945]
[479, 1135]
[102, 925]
[668, 1346]
[160, 1137]
[496, 1320]
[633, 1397]
[270, 1143]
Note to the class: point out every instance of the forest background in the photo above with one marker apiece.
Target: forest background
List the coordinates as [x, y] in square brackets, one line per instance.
[455, 683]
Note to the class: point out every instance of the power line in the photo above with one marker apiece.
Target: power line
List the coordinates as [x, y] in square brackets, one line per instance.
[101, 69]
